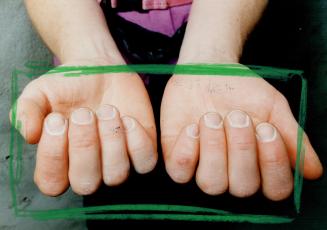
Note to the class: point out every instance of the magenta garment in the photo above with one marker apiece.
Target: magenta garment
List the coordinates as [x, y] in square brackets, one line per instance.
[166, 21]
[164, 16]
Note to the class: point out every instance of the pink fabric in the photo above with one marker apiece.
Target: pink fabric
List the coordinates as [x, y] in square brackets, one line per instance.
[165, 16]
[162, 21]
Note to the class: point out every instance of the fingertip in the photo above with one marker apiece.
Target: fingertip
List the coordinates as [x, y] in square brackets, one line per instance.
[211, 173]
[279, 195]
[52, 160]
[210, 186]
[84, 188]
[289, 130]
[182, 161]
[243, 168]
[313, 168]
[139, 145]
[116, 177]
[85, 170]
[181, 173]
[28, 120]
[52, 189]
[314, 171]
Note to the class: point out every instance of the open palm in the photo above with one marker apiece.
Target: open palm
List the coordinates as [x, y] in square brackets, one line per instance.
[87, 129]
[233, 133]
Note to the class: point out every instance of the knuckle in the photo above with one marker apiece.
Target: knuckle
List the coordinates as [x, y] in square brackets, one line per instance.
[52, 155]
[143, 153]
[180, 169]
[50, 176]
[82, 142]
[114, 133]
[139, 145]
[274, 159]
[244, 145]
[184, 160]
[281, 101]
[31, 86]
[185, 156]
[282, 98]
[273, 162]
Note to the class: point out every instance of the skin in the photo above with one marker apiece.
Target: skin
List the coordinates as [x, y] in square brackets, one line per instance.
[85, 153]
[229, 158]
[89, 129]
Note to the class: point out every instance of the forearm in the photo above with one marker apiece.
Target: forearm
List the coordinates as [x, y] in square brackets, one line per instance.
[73, 29]
[218, 29]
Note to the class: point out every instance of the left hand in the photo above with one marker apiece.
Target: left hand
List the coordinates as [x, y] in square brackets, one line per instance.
[235, 133]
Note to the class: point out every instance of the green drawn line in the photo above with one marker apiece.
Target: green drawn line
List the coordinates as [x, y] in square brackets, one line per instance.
[175, 212]
[13, 137]
[203, 69]
[275, 73]
[138, 207]
[39, 65]
[18, 125]
[257, 219]
[19, 157]
[29, 75]
[298, 177]
[217, 214]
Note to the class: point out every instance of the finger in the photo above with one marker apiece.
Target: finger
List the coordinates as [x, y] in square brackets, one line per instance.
[51, 170]
[141, 100]
[275, 167]
[211, 174]
[288, 127]
[84, 152]
[181, 161]
[140, 146]
[243, 170]
[115, 161]
[29, 111]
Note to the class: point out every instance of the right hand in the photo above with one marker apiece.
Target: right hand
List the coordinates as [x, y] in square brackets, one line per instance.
[78, 125]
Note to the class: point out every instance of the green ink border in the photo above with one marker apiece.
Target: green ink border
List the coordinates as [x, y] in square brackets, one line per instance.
[155, 211]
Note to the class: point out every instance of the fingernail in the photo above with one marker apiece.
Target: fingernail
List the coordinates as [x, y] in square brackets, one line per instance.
[266, 132]
[106, 112]
[128, 123]
[193, 131]
[82, 116]
[55, 124]
[238, 119]
[213, 120]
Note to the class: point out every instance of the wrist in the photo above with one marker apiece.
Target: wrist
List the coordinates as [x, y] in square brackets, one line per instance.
[98, 49]
[221, 56]
[96, 60]
[93, 58]
[210, 51]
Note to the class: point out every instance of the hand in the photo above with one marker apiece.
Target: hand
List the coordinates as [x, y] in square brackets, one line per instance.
[233, 133]
[88, 129]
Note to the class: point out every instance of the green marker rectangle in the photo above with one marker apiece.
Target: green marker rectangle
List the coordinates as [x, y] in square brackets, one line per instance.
[154, 211]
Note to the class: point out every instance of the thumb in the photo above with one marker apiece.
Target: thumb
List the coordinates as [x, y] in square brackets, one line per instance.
[288, 127]
[28, 112]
